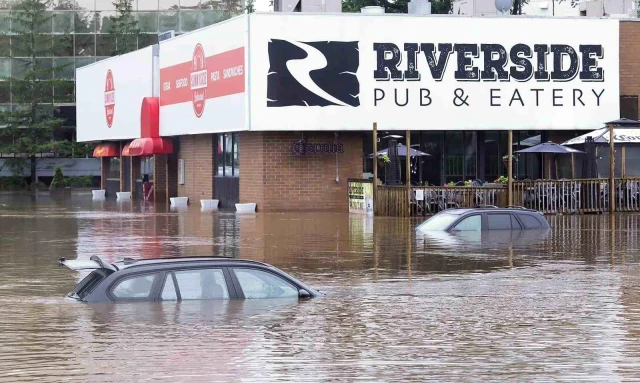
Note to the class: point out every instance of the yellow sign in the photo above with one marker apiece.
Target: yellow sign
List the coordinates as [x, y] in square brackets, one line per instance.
[360, 196]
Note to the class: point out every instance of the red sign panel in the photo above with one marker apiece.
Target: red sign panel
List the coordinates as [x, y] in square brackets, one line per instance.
[203, 78]
[109, 98]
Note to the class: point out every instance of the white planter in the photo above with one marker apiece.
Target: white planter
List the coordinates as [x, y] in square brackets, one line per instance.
[179, 201]
[122, 196]
[98, 194]
[246, 207]
[209, 204]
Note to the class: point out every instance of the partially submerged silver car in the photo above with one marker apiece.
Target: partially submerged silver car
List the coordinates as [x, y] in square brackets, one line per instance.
[178, 279]
[480, 219]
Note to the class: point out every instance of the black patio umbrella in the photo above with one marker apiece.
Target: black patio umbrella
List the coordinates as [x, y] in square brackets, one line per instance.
[402, 152]
[549, 148]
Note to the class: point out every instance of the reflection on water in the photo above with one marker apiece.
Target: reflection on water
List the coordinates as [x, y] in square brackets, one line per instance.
[557, 305]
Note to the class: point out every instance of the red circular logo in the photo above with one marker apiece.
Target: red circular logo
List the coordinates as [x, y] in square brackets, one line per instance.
[198, 80]
[109, 98]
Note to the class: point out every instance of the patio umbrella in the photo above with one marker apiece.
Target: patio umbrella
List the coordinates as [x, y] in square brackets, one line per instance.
[402, 152]
[549, 148]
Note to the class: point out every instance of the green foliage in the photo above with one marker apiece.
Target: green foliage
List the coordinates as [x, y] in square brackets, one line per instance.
[13, 183]
[250, 8]
[441, 7]
[383, 158]
[79, 181]
[226, 8]
[27, 129]
[124, 28]
[58, 181]
[37, 185]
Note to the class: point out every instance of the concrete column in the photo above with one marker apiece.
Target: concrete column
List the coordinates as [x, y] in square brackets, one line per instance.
[104, 171]
[134, 174]
[160, 178]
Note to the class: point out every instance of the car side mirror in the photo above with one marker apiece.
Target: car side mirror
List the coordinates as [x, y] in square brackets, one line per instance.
[303, 294]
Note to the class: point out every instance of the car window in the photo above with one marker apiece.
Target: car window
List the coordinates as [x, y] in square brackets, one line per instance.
[515, 225]
[136, 287]
[89, 283]
[169, 289]
[471, 223]
[202, 284]
[438, 222]
[261, 284]
[499, 221]
[530, 222]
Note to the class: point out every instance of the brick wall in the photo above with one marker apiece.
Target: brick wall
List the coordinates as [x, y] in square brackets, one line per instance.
[629, 58]
[197, 153]
[160, 178]
[277, 180]
[105, 167]
[251, 148]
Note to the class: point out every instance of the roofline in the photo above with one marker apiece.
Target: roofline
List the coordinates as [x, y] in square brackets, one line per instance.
[496, 16]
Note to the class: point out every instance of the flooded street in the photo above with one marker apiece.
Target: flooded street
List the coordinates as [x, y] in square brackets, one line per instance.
[562, 305]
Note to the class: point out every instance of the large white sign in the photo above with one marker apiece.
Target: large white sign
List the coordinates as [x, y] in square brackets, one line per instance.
[109, 95]
[330, 72]
[202, 80]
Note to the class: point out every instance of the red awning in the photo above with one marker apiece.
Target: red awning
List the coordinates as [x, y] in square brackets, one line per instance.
[148, 146]
[106, 150]
[125, 150]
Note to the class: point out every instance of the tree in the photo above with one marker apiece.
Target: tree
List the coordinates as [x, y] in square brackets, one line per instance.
[441, 7]
[124, 28]
[58, 181]
[250, 8]
[27, 130]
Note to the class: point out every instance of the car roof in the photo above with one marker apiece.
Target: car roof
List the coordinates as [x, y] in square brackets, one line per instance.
[127, 263]
[95, 262]
[461, 211]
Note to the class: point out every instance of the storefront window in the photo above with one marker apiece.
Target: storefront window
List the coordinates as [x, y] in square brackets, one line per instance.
[220, 155]
[527, 165]
[236, 160]
[228, 154]
[146, 169]
[114, 168]
[227, 159]
[454, 156]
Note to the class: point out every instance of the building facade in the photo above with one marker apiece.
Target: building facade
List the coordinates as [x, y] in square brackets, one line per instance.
[277, 109]
[78, 32]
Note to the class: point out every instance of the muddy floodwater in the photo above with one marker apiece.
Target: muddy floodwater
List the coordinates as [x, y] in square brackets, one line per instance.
[557, 306]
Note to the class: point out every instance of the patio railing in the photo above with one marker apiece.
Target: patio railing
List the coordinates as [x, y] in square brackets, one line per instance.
[427, 200]
[550, 197]
[577, 196]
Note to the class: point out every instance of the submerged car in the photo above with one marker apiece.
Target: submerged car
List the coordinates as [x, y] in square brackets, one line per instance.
[179, 279]
[479, 219]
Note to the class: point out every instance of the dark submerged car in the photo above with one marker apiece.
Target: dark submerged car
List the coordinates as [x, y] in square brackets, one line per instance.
[485, 218]
[179, 279]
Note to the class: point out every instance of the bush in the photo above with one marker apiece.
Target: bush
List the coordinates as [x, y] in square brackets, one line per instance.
[37, 185]
[58, 181]
[12, 183]
[80, 181]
